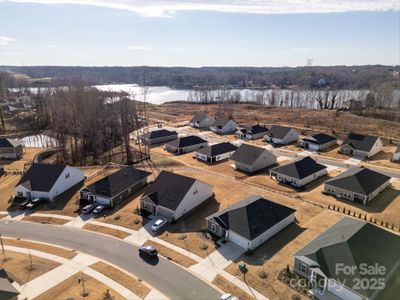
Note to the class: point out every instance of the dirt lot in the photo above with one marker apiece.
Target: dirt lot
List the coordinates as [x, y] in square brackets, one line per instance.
[69, 254]
[136, 286]
[383, 159]
[7, 184]
[172, 255]
[45, 220]
[71, 289]
[230, 288]
[110, 231]
[274, 255]
[19, 266]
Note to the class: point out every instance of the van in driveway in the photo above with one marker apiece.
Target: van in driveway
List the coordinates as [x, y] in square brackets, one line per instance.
[88, 209]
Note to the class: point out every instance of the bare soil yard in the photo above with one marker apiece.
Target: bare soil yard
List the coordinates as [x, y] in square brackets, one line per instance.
[134, 285]
[19, 165]
[19, 266]
[66, 253]
[172, 255]
[106, 230]
[230, 288]
[45, 220]
[71, 289]
[383, 159]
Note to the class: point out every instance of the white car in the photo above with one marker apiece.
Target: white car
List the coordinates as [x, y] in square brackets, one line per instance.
[158, 225]
[228, 297]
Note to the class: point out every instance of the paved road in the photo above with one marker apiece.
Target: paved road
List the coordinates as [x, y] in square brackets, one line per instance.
[172, 280]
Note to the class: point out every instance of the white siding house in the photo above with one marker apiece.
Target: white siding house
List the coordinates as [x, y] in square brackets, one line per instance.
[362, 146]
[223, 126]
[48, 181]
[215, 153]
[249, 158]
[201, 120]
[281, 135]
[396, 155]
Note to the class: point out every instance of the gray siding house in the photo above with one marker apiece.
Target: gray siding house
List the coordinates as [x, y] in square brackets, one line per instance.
[249, 158]
[357, 184]
[351, 244]
[250, 222]
[215, 153]
[396, 155]
[11, 148]
[359, 145]
[173, 195]
[113, 188]
[185, 144]
[300, 172]
[223, 126]
[317, 142]
[158, 137]
[201, 120]
[281, 135]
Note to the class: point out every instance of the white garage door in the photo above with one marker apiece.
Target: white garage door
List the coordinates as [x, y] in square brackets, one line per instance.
[103, 201]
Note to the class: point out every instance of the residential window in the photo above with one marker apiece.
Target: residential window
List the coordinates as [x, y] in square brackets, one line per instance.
[303, 268]
[195, 192]
[20, 194]
[66, 175]
[213, 227]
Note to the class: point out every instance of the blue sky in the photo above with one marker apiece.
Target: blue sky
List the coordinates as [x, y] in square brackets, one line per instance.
[129, 33]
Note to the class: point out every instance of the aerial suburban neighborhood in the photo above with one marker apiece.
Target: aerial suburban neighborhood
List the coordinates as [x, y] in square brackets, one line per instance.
[199, 150]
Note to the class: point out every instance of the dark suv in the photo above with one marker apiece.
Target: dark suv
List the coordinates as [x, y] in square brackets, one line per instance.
[149, 251]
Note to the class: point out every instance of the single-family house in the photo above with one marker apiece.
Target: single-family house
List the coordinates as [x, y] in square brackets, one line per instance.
[47, 181]
[299, 172]
[115, 187]
[281, 135]
[216, 152]
[250, 222]
[396, 154]
[357, 184]
[359, 145]
[317, 142]
[252, 132]
[172, 195]
[11, 148]
[249, 158]
[223, 126]
[185, 144]
[201, 120]
[344, 262]
[158, 136]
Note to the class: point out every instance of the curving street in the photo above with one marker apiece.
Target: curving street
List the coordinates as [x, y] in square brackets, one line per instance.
[168, 278]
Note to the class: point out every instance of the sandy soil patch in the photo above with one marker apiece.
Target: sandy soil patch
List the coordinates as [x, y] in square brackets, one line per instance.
[45, 220]
[230, 288]
[7, 184]
[383, 158]
[20, 267]
[172, 255]
[106, 230]
[136, 286]
[71, 289]
[69, 254]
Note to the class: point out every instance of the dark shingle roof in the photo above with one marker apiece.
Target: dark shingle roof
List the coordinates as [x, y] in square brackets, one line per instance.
[352, 242]
[169, 189]
[359, 180]
[360, 142]
[160, 133]
[198, 117]
[256, 129]
[41, 177]
[7, 143]
[217, 149]
[117, 182]
[300, 168]
[186, 141]
[279, 132]
[247, 154]
[252, 216]
[320, 138]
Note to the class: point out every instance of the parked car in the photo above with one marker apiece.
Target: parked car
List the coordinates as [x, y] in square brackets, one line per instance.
[88, 208]
[98, 209]
[228, 297]
[160, 223]
[35, 203]
[149, 251]
[24, 204]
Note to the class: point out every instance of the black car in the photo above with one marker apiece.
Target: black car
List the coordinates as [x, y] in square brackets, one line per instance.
[149, 251]
[24, 204]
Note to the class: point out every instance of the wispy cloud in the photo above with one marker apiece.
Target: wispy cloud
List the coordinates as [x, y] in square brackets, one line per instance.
[4, 40]
[163, 8]
[139, 48]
